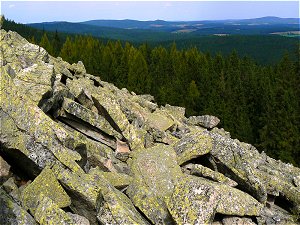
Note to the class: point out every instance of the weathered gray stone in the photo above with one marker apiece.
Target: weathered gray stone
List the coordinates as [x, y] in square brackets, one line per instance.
[118, 180]
[47, 213]
[78, 68]
[84, 191]
[4, 170]
[94, 119]
[193, 202]
[45, 184]
[79, 219]
[117, 208]
[196, 200]
[155, 173]
[296, 181]
[276, 215]
[237, 221]
[12, 213]
[203, 171]
[193, 145]
[206, 121]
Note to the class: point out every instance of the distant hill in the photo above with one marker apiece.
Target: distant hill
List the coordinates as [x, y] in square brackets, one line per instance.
[177, 25]
[135, 30]
[107, 32]
[259, 38]
[264, 49]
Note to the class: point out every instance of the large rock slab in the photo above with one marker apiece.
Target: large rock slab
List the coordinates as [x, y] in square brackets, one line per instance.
[84, 191]
[29, 132]
[202, 171]
[196, 200]
[118, 180]
[193, 202]
[193, 145]
[90, 117]
[19, 53]
[206, 121]
[47, 185]
[257, 173]
[155, 172]
[48, 212]
[117, 207]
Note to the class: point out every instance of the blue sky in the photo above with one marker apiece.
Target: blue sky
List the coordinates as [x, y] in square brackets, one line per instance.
[75, 11]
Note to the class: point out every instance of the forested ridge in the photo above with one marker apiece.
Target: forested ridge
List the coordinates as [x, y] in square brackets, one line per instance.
[257, 104]
[265, 49]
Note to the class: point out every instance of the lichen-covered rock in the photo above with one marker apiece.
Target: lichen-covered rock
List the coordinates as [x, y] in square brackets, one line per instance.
[89, 116]
[12, 189]
[36, 81]
[158, 121]
[48, 212]
[116, 208]
[296, 181]
[206, 121]
[257, 173]
[237, 221]
[78, 68]
[47, 185]
[106, 102]
[239, 160]
[19, 53]
[203, 171]
[145, 102]
[12, 213]
[193, 145]
[155, 173]
[31, 132]
[193, 202]
[236, 202]
[118, 180]
[276, 215]
[196, 200]
[4, 170]
[84, 191]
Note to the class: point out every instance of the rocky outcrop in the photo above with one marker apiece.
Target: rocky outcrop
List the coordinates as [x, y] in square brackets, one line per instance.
[78, 150]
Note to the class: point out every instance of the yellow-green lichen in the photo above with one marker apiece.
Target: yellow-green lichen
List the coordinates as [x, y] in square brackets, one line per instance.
[192, 146]
[49, 213]
[47, 185]
[118, 180]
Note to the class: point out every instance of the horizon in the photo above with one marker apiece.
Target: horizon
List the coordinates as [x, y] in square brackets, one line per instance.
[169, 20]
[171, 11]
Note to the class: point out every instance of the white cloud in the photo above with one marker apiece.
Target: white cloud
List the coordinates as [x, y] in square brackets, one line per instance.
[11, 6]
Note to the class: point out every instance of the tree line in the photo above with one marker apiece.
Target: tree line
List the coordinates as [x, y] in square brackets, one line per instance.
[257, 104]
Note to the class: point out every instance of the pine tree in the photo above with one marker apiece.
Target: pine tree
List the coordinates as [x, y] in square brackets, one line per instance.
[193, 95]
[32, 40]
[138, 78]
[46, 44]
[56, 44]
[67, 51]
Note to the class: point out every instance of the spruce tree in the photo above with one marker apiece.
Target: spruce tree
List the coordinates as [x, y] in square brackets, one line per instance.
[46, 44]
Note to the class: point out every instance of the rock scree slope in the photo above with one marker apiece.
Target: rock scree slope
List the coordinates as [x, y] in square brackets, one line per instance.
[78, 150]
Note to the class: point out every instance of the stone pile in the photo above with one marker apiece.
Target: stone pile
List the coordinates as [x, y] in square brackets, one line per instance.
[78, 150]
